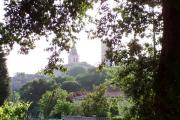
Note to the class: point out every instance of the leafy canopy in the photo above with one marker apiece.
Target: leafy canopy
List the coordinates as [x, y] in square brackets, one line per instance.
[27, 20]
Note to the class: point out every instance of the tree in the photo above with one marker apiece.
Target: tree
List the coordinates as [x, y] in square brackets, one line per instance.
[168, 80]
[74, 71]
[96, 103]
[71, 86]
[85, 81]
[114, 110]
[60, 80]
[4, 79]
[32, 92]
[91, 78]
[25, 18]
[63, 108]
[26, 21]
[135, 77]
[49, 101]
[138, 63]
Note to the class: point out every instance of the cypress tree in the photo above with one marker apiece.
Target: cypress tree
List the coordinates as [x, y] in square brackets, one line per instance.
[4, 79]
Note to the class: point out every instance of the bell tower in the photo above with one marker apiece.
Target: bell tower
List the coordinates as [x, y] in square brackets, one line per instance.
[73, 55]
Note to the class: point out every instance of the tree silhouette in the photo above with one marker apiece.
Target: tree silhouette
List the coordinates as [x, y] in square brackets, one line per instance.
[168, 79]
[28, 18]
[4, 79]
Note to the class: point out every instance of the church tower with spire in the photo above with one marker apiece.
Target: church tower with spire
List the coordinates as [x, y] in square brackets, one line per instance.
[73, 55]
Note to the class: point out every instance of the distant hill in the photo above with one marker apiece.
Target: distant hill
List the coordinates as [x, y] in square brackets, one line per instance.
[87, 76]
[80, 64]
[21, 79]
[74, 69]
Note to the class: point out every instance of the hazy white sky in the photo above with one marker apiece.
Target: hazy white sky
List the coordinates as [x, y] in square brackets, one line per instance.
[88, 50]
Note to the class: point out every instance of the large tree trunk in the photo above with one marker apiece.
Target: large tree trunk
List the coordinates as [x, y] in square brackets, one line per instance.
[167, 100]
[4, 79]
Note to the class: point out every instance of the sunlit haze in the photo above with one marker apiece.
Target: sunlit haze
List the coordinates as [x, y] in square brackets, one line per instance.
[88, 50]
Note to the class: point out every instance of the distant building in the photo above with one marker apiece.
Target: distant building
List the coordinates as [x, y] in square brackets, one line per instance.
[113, 92]
[78, 96]
[73, 55]
[110, 92]
[104, 48]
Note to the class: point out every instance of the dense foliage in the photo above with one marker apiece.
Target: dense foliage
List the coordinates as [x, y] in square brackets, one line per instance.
[86, 79]
[15, 111]
[132, 31]
[26, 21]
[96, 103]
[74, 71]
[51, 101]
[32, 92]
[71, 86]
[136, 78]
[91, 78]
[63, 108]
[36, 91]
[136, 19]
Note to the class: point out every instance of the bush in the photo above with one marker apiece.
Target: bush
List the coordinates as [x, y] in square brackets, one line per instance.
[17, 110]
[33, 91]
[96, 103]
[52, 99]
[71, 86]
[118, 118]
[63, 108]
[114, 110]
